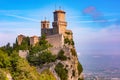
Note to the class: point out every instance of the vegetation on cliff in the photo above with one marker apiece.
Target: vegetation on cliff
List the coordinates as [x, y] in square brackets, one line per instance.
[79, 67]
[40, 54]
[61, 55]
[61, 71]
[19, 68]
[25, 69]
[69, 41]
[47, 75]
[73, 52]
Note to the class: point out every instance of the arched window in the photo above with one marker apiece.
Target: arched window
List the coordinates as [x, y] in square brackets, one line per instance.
[43, 25]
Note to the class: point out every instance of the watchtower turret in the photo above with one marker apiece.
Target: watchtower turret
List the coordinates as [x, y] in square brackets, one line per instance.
[59, 23]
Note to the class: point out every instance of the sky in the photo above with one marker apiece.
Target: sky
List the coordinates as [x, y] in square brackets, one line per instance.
[95, 24]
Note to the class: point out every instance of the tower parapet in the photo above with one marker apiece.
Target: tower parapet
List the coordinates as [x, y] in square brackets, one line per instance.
[45, 28]
[59, 15]
[45, 24]
[59, 24]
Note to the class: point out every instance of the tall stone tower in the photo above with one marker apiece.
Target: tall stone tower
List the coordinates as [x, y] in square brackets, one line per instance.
[59, 24]
[44, 27]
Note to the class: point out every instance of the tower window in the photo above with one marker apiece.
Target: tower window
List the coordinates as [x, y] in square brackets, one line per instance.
[43, 25]
[47, 25]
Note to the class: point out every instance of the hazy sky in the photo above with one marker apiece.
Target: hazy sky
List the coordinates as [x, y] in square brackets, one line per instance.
[95, 24]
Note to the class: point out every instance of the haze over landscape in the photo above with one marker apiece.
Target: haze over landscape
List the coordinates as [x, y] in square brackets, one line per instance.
[95, 24]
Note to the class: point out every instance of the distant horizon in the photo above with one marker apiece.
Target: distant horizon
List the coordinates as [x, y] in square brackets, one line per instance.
[95, 24]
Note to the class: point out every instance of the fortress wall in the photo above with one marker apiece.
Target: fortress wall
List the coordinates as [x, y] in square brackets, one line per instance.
[55, 50]
[50, 31]
[23, 53]
[57, 41]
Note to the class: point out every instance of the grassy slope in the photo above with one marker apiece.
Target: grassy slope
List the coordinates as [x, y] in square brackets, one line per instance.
[27, 72]
[47, 75]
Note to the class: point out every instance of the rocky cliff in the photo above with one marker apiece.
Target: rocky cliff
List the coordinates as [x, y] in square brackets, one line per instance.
[70, 64]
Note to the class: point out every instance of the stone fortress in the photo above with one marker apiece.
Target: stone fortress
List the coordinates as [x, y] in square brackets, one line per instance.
[56, 35]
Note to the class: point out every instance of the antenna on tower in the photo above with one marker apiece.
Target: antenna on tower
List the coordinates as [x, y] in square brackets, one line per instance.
[59, 7]
[45, 18]
[55, 6]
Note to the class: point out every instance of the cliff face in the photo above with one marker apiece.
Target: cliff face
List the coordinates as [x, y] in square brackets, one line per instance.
[70, 64]
[60, 59]
[66, 65]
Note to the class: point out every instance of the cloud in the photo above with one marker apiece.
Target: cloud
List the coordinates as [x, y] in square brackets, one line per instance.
[25, 18]
[112, 14]
[77, 16]
[95, 14]
[91, 21]
[10, 11]
[89, 10]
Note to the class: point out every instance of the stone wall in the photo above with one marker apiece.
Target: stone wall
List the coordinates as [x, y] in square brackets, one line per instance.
[34, 40]
[47, 32]
[56, 40]
[23, 53]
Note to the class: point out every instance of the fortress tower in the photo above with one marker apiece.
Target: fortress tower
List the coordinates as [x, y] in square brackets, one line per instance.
[20, 39]
[45, 27]
[59, 24]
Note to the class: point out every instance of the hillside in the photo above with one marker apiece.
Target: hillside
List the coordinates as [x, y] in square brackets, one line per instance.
[40, 64]
[13, 67]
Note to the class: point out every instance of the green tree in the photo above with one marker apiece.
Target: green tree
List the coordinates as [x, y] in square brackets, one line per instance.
[4, 60]
[7, 49]
[25, 44]
[44, 43]
[40, 54]
[14, 57]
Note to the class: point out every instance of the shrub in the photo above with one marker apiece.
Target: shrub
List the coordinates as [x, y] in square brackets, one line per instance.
[46, 75]
[61, 55]
[69, 41]
[41, 58]
[61, 71]
[4, 60]
[79, 67]
[68, 33]
[73, 52]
